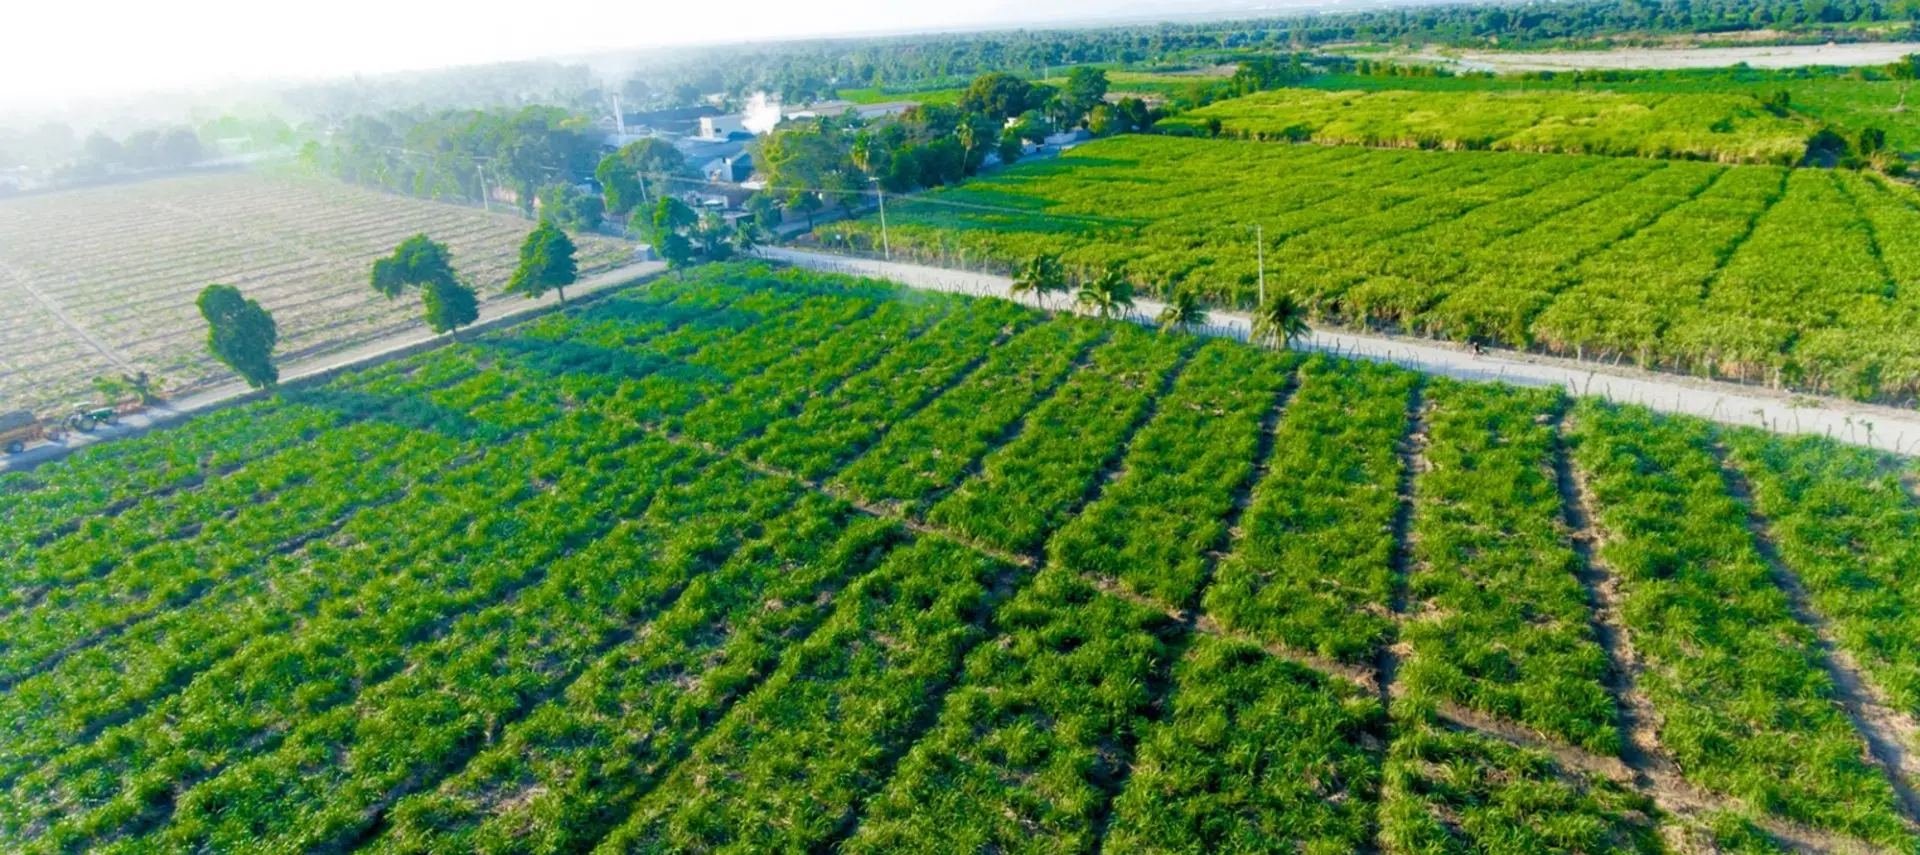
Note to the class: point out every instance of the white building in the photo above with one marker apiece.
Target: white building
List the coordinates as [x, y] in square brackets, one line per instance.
[722, 127]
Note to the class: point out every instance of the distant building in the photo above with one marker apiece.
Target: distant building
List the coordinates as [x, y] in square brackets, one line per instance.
[728, 170]
[1068, 139]
[722, 127]
[836, 108]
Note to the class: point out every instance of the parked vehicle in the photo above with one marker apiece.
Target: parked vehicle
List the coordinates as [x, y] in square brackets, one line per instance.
[19, 428]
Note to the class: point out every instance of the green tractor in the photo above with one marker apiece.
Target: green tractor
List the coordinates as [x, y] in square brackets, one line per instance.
[87, 417]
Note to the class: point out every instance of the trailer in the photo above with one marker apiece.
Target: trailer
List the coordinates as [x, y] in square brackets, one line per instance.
[17, 429]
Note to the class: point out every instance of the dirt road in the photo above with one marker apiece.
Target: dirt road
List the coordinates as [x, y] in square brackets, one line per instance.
[1885, 428]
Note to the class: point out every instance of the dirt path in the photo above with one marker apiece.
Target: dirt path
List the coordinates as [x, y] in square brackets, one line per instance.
[1884, 428]
[418, 339]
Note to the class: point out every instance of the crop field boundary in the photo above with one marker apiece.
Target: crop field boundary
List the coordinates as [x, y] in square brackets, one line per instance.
[1662, 782]
[1871, 426]
[318, 371]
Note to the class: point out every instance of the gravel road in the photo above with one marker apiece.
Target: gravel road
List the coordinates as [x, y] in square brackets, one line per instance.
[1884, 428]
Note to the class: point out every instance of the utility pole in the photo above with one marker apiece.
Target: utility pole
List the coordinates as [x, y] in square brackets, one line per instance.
[886, 246]
[1260, 252]
[485, 198]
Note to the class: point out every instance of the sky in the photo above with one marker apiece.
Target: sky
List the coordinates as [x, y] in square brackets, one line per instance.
[56, 50]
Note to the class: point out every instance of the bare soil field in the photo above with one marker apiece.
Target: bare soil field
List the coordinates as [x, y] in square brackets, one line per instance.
[103, 280]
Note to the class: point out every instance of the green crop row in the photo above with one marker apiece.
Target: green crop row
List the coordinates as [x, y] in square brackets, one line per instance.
[1795, 279]
[567, 774]
[1446, 792]
[788, 769]
[346, 470]
[745, 410]
[1497, 619]
[1314, 568]
[832, 428]
[1745, 705]
[365, 628]
[1027, 488]
[1152, 529]
[934, 449]
[331, 777]
[1722, 127]
[1846, 527]
[1031, 744]
[1259, 755]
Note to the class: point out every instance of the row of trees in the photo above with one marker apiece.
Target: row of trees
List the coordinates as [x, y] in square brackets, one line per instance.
[1277, 322]
[242, 334]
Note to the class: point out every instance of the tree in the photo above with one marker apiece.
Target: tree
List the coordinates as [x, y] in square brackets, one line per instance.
[998, 96]
[624, 174]
[1009, 146]
[546, 264]
[417, 262]
[747, 236]
[240, 334]
[1183, 312]
[1086, 89]
[423, 263]
[450, 306]
[571, 207]
[1109, 295]
[1040, 276]
[1279, 322]
[671, 219]
[714, 237]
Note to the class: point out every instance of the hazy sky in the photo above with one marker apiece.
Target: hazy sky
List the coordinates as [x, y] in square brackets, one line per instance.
[57, 49]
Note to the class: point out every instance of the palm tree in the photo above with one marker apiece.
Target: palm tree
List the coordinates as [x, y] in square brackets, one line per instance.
[1040, 275]
[1183, 312]
[1109, 296]
[1279, 322]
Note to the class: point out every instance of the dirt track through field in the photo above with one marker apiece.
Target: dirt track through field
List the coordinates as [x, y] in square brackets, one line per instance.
[54, 309]
[1878, 427]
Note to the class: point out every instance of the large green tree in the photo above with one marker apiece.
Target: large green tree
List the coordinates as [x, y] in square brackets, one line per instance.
[998, 96]
[1086, 89]
[423, 263]
[240, 334]
[637, 172]
[547, 263]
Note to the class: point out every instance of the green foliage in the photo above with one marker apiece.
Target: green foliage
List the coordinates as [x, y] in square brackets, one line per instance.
[1745, 706]
[1021, 754]
[418, 262]
[1752, 272]
[1313, 569]
[1154, 527]
[1029, 486]
[1499, 620]
[998, 96]
[1258, 756]
[1279, 322]
[240, 334]
[571, 207]
[1607, 123]
[625, 174]
[449, 306]
[546, 263]
[810, 745]
[1445, 792]
[933, 450]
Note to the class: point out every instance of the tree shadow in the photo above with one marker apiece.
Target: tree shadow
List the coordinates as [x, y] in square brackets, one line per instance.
[418, 413]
